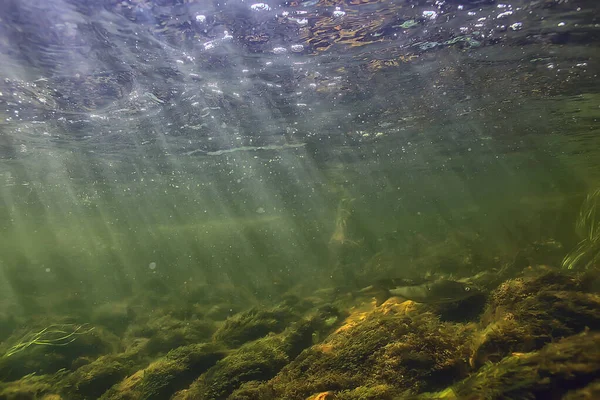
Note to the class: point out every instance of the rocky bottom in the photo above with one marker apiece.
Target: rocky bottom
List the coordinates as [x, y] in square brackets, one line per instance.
[534, 336]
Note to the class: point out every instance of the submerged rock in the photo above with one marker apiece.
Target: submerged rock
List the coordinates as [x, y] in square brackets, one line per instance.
[526, 313]
[165, 376]
[558, 368]
[394, 346]
[30, 387]
[259, 360]
[95, 378]
[166, 332]
[253, 324]
[396, 350]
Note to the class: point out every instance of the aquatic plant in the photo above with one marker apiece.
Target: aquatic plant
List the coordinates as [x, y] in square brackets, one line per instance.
[52, 335]
[585, 255]
[588, 222]
[587, 252]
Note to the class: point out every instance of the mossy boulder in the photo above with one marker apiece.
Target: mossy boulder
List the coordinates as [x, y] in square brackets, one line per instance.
[533, 281]
[570, 365]
[31, 387]
[375, 392]
[92, 380]
[95, 378]
[166, 333]
[253, 390]
[165, 376]
[589, 392]
[399, 348]
[526, 313]
[259, 360]
[242, 373]
[254, 324]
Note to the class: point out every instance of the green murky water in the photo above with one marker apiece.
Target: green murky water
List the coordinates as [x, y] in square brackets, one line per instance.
[165, 167]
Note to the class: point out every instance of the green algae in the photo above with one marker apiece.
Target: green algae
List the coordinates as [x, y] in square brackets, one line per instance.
[166, 375]
[557, 368]
[395, 351]
[253, 324]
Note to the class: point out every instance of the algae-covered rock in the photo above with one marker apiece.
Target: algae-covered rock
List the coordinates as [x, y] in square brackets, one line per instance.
[398, 350]
[35, 387]
[242, 373]
[375, 392]
[253, 390]
[568, 365]
[29, 387]
[92, 380]
[394, 346]
[165, 376]
[255, 361]
[166, 333]
[533, 281]
[95, 378]
[253, 324]
[526, 313]
[297, 337]
[589, 392]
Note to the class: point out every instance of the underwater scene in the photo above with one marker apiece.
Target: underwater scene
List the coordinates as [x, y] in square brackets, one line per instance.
[300, 200]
